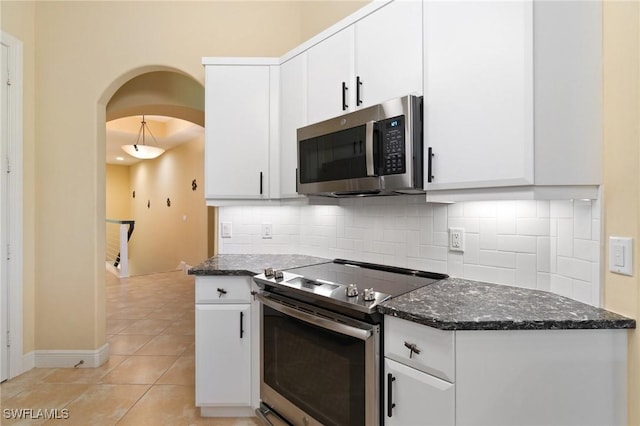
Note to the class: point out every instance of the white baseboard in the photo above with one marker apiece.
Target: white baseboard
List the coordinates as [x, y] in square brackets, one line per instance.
[66, 358]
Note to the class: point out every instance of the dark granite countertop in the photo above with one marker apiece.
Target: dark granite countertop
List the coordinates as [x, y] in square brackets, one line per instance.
[252, 264]
[457, 304]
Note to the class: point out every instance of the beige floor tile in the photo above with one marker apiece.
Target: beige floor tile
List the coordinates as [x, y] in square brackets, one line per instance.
[44, 396]
[182, 372]
[147, 326]
[84, 375]
[127, 344]
[117, 325]
[23, 382]
[129, 313]
[191, 350]
[101, 405]
[167, 344]
[166, 313]
[139, 370]
[185, 325]
[170, 405]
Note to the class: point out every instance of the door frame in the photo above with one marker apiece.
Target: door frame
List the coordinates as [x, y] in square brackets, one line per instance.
[13, 237]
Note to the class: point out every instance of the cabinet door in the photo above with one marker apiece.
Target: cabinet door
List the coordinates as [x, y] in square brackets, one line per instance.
[293, 114]
[388, 48]
[330, 65]
[237, 131]
[223, 355]
[419, 398]
[478, 105]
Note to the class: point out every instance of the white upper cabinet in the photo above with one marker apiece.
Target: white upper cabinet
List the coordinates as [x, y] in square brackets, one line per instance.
[237, 131]
[512, 99]
[330, 74]
[388, 52]
[376, 59]
[293, 114]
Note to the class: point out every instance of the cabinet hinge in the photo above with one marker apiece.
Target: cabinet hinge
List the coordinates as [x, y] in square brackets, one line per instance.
[8, 339]
[8, 251]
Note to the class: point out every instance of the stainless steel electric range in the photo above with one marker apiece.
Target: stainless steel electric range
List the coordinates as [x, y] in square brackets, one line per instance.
[321, 340]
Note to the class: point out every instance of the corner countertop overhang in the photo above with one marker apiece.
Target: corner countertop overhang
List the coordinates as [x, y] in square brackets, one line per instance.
[458, 304]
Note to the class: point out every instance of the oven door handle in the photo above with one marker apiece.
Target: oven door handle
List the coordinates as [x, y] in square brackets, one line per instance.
[325, 323]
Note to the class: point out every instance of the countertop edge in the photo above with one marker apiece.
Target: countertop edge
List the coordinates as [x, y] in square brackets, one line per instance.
[506, 325]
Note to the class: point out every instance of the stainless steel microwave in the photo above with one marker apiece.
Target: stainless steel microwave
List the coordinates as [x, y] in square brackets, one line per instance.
[373, 151]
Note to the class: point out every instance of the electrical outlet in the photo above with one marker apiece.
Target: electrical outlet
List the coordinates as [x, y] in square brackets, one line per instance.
[621, 255]
[266, 231]
[456, 239]
[226, 229]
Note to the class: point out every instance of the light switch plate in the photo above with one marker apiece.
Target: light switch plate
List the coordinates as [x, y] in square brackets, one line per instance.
[621, 255]
[225, 229]
[267, 231]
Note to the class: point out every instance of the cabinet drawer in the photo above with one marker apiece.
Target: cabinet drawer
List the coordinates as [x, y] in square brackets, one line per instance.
[436, 347]
[223, 289]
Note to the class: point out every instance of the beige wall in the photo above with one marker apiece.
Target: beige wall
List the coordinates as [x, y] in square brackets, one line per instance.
[622, 168]
[118, 205]
[164, 236]
[85, 52]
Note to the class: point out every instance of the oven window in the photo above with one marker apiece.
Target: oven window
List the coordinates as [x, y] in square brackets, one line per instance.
[320, 371]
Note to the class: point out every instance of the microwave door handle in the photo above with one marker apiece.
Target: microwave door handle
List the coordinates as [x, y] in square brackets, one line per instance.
[369, 126]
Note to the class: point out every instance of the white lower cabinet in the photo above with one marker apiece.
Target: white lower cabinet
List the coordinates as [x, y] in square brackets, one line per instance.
[224, 347]
[223, 354]
[416, 398]
[503, 377]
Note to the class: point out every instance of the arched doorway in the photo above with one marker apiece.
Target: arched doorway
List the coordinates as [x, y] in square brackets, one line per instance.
[164, 195]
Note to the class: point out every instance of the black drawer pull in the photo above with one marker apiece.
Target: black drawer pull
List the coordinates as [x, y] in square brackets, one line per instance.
[413, 348]
[241, 324]
[390, 404]
[221, 292]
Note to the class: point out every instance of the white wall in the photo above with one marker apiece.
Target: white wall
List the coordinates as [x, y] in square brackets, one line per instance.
[546, 245]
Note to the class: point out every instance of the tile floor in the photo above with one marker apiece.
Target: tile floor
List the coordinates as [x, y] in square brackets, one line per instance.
[149, 378]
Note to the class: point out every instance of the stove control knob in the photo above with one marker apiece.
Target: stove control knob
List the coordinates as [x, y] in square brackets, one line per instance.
[369, 295]
[268, 272]
[352, 290]
[278, 275]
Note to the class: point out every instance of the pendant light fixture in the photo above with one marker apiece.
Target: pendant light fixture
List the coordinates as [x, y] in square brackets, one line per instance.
[142, 150]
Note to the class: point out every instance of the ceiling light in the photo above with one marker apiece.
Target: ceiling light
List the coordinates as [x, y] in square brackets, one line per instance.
[120, 158]
[142, 150]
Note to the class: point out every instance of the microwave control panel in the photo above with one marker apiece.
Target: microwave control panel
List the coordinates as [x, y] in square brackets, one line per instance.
[392, 143]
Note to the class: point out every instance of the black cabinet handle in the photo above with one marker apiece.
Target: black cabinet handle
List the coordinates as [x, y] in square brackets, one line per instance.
[221, 291]
[390, 404]
[260, 183]
[296, 179]
[358, 84]
[413, 348]
[430, 155]
[241, 324]
[344, 96]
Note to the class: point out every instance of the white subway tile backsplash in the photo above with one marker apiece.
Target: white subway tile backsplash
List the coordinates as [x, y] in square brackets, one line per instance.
[532, 226]
[526, 209]
[488, 234]
[440, 218]
[500, 259]
[506, 226]
[526, 270]
[548, 245]
[565, 237]
[490, 274]
[582, 219]
[544, 254]
[562, 209]
[517, 243]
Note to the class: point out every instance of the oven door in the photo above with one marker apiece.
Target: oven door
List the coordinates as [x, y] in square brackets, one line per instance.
[318, 367]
